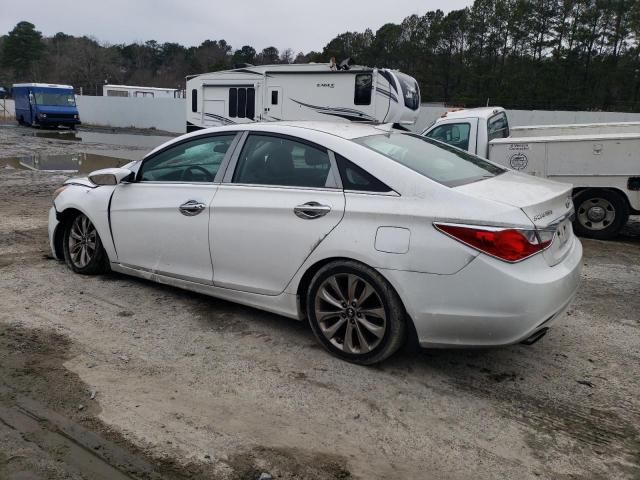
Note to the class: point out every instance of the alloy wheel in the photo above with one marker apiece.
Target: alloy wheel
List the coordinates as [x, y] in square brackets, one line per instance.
[82, 241]
[350, 313]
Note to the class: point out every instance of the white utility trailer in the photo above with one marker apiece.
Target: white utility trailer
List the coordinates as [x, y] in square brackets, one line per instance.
[109, 90]
[600, 160]
[314, 91]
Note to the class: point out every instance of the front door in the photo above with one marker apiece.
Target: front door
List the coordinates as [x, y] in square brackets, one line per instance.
[271, 211]
[160, 222]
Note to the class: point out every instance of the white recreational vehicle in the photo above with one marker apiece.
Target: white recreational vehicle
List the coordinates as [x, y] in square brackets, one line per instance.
[313, 91]
[142, 92]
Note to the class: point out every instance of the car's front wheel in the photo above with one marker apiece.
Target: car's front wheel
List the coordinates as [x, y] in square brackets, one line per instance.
[83, 250]
[355, 313]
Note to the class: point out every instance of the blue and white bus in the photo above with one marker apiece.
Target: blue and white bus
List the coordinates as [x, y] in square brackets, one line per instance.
[44, 104]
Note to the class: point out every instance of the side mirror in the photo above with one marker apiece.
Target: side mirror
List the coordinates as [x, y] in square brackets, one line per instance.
[110, 176]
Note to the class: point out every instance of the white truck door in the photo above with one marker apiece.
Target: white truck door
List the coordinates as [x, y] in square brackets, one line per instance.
[459, 132]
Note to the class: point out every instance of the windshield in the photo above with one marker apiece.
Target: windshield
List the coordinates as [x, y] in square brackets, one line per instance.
[55, 99]
[435, 160]
[410, 91]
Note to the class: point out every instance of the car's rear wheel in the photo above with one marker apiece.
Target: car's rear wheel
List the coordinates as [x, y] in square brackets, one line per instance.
[83, 250]
[600, 213]
[355, 313]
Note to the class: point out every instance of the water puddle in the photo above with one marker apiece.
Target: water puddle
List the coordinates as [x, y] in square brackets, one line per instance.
[146, 142]
[84, 162]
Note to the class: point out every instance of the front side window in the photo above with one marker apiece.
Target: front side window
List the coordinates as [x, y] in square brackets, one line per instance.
[193, 161]
[498, 126]
[456, 134]
[440, 162]
[278, 161]
[364, 85]
[55, 99]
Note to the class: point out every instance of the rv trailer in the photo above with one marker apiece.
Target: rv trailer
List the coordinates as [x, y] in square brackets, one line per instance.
[109, 90]
[313, 91]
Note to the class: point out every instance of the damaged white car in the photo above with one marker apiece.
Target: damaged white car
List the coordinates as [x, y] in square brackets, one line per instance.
[365, 231]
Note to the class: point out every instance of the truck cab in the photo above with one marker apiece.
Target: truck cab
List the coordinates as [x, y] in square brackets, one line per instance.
[44, 104]
[598, 159]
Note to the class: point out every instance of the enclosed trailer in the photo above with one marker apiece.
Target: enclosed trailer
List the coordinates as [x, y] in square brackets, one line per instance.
[301, 92]
[140, 92]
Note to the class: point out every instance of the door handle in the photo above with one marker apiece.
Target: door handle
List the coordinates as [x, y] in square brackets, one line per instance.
[311, 210]
[191, 208]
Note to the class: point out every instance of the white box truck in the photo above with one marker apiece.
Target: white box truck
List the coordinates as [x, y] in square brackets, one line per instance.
[600, 160]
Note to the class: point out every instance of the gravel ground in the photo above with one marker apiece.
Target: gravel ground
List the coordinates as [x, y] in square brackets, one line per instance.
[196, 387]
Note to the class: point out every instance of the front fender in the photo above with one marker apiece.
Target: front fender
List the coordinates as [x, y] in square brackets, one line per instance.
[94, 203]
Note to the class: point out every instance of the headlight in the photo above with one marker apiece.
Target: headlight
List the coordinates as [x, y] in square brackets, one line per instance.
[42, 115]
[58, 192]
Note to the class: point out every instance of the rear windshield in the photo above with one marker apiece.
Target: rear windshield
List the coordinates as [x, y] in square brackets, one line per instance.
[435, 160]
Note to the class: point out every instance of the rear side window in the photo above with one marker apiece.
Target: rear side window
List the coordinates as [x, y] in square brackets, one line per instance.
[498, 126]
[364, 85]
[456, 134]
[437, 161]
[277, 161]
[355, 178]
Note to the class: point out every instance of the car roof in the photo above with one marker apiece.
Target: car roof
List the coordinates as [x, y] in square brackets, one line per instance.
[346, 130]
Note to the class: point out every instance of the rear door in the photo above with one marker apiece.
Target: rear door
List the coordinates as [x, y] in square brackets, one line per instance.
[278, 201]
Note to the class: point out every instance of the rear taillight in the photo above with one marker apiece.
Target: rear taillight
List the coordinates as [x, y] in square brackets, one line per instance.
[507, 244]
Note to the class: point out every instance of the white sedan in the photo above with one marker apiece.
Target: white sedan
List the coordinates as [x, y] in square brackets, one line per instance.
[366, 232]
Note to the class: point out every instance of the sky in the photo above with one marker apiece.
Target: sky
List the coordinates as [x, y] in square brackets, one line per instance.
[302, 25]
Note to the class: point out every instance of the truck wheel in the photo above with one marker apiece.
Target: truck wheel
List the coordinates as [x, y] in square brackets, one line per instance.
[600, 213]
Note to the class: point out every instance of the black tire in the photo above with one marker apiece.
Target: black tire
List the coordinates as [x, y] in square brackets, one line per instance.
[383, 345]
[98, 261]
[593, 203]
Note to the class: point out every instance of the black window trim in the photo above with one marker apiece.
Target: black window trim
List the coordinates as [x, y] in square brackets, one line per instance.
[227, 179]
[390, 193]
[221, 170]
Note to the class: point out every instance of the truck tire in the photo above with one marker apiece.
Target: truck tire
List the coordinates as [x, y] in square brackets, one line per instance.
[600, 213]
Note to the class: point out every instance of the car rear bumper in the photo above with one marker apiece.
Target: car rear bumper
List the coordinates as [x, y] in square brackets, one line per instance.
[489, 302]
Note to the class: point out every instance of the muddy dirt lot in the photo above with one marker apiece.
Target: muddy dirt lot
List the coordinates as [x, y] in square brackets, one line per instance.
[114, 377]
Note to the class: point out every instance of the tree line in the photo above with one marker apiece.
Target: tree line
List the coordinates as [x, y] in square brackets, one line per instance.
[549, 54]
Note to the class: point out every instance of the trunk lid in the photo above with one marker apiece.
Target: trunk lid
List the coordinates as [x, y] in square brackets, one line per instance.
[546, 203]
